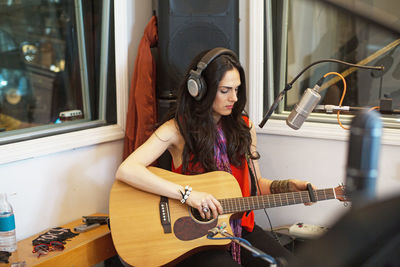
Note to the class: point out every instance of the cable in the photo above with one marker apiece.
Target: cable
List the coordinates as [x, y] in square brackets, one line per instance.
[336, 61]
[274, 235]
[282, 228]
[231, 238]
[341, 99]
[247, 245]
[266, 256]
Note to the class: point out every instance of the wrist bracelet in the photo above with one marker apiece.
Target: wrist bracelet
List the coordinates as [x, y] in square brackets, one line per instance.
[279, 186]
[185, 195]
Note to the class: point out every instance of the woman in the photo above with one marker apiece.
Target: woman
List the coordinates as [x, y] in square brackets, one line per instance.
[207, 131]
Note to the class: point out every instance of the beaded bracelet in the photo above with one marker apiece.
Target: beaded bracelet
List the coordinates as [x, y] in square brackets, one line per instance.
[279, 186]
[185, 195]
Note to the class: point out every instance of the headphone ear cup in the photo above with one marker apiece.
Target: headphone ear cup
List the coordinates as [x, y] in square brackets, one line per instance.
[193, 86]
[196, 87]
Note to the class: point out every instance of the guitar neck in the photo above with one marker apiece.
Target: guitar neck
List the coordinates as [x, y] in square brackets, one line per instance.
[234, 205]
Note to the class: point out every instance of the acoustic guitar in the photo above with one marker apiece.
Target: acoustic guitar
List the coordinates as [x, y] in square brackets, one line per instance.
[149, 230]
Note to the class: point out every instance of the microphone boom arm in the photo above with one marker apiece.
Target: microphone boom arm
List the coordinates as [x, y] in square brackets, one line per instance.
[290, 84]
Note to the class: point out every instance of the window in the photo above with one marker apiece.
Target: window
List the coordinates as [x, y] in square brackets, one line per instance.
[304, 31]
[57, 70]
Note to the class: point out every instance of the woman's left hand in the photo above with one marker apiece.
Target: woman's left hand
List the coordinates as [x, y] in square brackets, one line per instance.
[299, 185]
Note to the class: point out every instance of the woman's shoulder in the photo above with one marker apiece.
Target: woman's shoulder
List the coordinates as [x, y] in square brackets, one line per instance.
[170, 124]
[169, 131]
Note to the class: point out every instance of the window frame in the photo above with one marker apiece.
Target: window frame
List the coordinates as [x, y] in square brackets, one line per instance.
[276, 125]
[82, 138]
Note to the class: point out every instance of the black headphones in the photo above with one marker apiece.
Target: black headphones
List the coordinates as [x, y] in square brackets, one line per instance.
[196, 85]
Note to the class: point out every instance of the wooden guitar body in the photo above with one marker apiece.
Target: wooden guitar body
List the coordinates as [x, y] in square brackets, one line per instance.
[147, 233]
[136, 228]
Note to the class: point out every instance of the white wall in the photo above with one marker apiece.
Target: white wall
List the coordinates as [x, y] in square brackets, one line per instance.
[317, 152]
[285, 157]
[323, 163]
[54, 189]
[58, 188]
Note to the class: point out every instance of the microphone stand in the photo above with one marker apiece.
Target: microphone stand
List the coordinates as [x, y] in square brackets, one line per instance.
[274, 105]
[289, 85]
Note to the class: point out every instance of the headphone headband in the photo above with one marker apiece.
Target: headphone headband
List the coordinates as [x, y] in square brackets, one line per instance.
[213, 53]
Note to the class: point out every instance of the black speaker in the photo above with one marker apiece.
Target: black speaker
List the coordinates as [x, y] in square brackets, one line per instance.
[186, 28]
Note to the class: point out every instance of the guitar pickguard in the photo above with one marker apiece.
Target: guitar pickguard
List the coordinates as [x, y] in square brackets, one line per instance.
[185, 228]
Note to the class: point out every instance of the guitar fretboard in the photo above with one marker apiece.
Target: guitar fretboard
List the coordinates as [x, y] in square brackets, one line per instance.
[233, 205]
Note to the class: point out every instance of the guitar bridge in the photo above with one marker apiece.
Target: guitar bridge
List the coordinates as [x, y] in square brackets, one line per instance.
[165, 215]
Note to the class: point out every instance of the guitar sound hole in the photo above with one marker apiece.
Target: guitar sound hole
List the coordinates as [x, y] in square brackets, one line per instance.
[196, 215]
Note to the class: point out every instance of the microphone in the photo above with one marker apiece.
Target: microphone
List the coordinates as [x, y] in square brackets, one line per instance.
[306, 105]
[363, 154]
[291, 122]
[332, 108]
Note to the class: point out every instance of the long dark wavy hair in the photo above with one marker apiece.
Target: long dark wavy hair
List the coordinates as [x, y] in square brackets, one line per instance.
[195, 118]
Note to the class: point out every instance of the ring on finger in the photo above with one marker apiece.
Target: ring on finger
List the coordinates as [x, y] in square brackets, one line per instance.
[205, 209]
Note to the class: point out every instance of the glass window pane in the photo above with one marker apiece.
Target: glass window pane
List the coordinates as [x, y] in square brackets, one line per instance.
[317, 30]
[38, 77]
[49, 64]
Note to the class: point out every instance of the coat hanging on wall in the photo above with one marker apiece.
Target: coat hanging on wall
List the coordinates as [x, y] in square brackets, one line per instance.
[142, 105]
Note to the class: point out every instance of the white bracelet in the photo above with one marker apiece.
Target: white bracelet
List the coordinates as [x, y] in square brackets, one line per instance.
[185, 195]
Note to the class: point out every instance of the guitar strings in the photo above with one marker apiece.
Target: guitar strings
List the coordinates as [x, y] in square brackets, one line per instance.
[276, 200]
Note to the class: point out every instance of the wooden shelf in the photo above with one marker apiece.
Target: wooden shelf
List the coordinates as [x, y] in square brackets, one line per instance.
[85, 249]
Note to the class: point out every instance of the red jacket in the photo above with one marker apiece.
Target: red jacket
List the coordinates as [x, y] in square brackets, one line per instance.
[142, 106]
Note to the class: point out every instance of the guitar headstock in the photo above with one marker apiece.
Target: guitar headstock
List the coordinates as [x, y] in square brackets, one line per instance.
[341, 193]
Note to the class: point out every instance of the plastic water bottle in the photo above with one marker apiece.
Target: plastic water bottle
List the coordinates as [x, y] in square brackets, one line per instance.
[8, 239]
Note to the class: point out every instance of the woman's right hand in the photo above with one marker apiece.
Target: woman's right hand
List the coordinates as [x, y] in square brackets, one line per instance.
[202, 200]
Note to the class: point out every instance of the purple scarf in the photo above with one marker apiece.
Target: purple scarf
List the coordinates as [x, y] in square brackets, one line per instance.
[223, 164]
